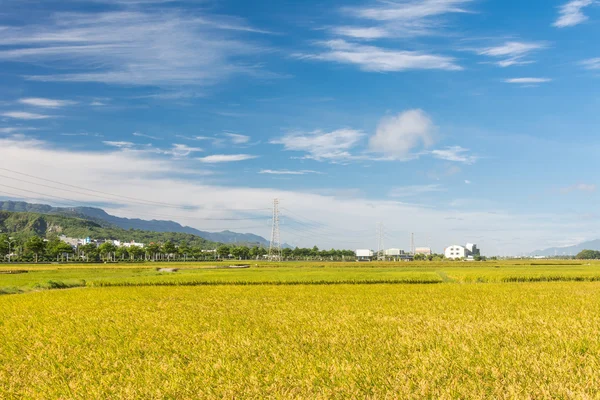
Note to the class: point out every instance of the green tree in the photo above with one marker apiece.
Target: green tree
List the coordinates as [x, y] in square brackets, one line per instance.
[89, 252]
[169, 249]
[184, 250]
[4, 245]
[36, 246]
[152, 250]
[122, 253]
[588, 255]
[135, 252]
[223, 251]
[106, 250]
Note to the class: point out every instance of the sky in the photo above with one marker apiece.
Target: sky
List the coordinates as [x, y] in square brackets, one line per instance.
[456, 120]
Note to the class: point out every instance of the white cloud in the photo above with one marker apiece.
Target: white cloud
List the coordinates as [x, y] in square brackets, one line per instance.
[47, 103]
[139, 134]
[24, 115]
[454, 153]
[528, 81]
[332, 146]
[415, 190]
[377, 59]
[401, 18]
[97, 104]
[592, 63]
[361, 33]
[237, 138]
[182, 150]
[467, 182]
[571, 13]
[580, 187]
[287, 172]
[150, 47]
[224, 158]
[512, 53]
[150, 177]
[121, 145]
[397, 136]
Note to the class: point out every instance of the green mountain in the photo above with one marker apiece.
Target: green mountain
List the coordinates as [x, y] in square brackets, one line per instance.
[29, 223]
[103, 218]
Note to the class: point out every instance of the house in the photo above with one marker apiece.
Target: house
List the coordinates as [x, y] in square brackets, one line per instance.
[467, 252]
[364, 255]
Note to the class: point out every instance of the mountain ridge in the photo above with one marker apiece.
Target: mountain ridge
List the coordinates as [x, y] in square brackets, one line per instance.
[568, 250]
[101, 217]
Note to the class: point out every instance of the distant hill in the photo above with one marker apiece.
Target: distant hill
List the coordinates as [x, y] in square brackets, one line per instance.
[570, 250]
[102, 218]
[28, 223]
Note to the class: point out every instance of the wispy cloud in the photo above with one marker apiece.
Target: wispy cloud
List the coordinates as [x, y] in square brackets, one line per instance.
[512, 52]
[236, 138]
[97, 104]
[14, 129]
[571, 13]
[320, 145]
[397, 136]
[400, 18]
[224, 158]
[415, 190]
[153, 47]
[287, 172]
[456, 154]
[25, 115]
[182, 150]
[378, 59]
[82, 134]
[139, 134]
[580, 187]
[528, 81]
[119, 144]
[592, 63]
[46, 103]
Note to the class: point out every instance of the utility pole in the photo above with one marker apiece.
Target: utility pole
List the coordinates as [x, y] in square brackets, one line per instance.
[9, 241]
[275, 245]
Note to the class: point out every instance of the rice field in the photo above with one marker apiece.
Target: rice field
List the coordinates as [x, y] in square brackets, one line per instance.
[312, 331]
[535, 340]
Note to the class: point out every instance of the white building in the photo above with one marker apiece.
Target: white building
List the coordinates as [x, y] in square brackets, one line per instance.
[466, 252]
[393, 252]
[423, 250]
[364, 255]
[456, 251]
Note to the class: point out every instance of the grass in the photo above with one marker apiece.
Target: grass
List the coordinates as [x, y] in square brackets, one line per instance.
[497, 340]
[295, 273]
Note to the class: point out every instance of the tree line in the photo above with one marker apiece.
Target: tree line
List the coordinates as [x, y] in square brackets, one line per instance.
[36, 249]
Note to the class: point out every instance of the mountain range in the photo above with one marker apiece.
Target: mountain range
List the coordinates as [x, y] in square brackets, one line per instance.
[104, 219]
[569, 250]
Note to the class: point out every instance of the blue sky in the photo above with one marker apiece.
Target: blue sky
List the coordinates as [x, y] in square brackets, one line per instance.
[459, 120]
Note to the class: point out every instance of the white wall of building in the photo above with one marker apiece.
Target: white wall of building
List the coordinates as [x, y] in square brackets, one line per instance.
[456, 251]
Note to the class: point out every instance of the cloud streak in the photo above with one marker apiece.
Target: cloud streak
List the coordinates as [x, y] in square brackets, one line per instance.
[225, 158]
[571, 13]
[160, 48]
[400, 18]
[25, 115]
[512, 52]
[378, 59]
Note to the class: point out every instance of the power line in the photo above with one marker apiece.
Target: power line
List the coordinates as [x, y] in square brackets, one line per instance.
[142, 213]
[131, 199]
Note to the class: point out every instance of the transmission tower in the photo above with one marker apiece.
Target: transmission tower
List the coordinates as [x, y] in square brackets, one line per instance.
[380, 248]
[275, 245]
